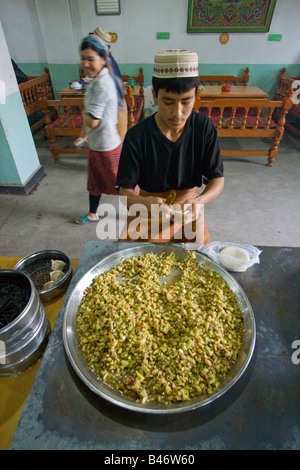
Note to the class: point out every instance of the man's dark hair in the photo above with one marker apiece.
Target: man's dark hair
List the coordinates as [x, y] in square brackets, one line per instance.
[175, 85]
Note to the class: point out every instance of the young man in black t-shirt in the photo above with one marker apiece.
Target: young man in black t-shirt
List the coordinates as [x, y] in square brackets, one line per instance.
[176, 149]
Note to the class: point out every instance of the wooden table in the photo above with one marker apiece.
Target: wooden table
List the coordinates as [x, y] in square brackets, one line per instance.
[15, 389]
[214, 92]
[69, 93]
[261, 410]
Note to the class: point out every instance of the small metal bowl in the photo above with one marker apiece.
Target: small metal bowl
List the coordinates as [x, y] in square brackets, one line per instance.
[38, 267]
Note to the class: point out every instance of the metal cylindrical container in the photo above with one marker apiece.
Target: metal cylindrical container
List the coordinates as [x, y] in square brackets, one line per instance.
[24, 336]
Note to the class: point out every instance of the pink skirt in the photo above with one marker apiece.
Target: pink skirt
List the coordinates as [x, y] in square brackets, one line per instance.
[102, 171]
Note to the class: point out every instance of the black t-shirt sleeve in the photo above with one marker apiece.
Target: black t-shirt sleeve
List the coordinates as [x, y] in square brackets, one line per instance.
[129, 165]
[212, 164]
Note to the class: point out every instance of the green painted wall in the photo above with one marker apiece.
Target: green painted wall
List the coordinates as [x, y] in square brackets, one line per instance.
[8, 170]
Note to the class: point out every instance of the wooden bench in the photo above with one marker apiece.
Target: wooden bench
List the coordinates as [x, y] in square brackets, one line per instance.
[36, 88]
[285, 84]
[247, 118]
[68, 123]
[221, 79]
[68, 112]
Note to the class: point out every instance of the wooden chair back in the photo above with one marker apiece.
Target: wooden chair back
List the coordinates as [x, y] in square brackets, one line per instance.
[285, 86]
[122, 125]
[138, 78]
[32, 91]
[221, 79]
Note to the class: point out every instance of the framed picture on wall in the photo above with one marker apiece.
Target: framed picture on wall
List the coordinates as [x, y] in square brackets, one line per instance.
[217, 16]
[107, 7]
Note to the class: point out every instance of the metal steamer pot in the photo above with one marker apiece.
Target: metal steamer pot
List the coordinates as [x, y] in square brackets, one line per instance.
[38, 266]
[24, 339]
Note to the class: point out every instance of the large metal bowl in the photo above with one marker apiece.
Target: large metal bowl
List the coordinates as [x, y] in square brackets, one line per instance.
[38, 266]
[81, 367]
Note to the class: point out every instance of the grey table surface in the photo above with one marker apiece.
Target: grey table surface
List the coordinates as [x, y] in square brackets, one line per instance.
[261, 411]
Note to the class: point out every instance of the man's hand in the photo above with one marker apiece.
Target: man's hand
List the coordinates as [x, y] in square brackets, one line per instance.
[155, 204]
[134, 198]
[190, 211]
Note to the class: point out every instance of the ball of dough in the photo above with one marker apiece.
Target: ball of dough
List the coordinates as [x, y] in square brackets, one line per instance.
[56, 275]
[234, 258]
[57, 265]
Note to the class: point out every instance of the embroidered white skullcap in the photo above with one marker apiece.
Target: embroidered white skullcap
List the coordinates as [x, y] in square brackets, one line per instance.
[175, 63]
[102, 34]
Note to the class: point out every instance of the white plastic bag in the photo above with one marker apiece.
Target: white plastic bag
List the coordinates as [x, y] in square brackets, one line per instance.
[233, 257]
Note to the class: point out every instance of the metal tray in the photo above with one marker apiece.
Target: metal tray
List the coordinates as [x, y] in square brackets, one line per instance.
[82, 369]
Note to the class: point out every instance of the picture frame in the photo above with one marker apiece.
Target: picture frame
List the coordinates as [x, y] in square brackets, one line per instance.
[107, 7]
[231, 16]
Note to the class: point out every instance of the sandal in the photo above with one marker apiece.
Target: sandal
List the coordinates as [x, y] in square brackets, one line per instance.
[85, 220]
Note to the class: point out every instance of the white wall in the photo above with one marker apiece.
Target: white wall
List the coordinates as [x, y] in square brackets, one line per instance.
[58, 31]
[50, 31]
[22, 30]
[140, 20]
[18, 156]
[7, 74]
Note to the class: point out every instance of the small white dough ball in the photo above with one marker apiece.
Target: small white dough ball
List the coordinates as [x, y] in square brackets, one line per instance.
[56, 276]
[234, 258]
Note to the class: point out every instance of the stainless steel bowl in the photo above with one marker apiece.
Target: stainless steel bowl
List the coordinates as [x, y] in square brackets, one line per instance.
[24, 338]
[81, 367]
[38, 266]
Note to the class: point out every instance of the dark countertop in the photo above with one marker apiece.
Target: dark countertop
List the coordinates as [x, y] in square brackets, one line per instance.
[261, 411]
